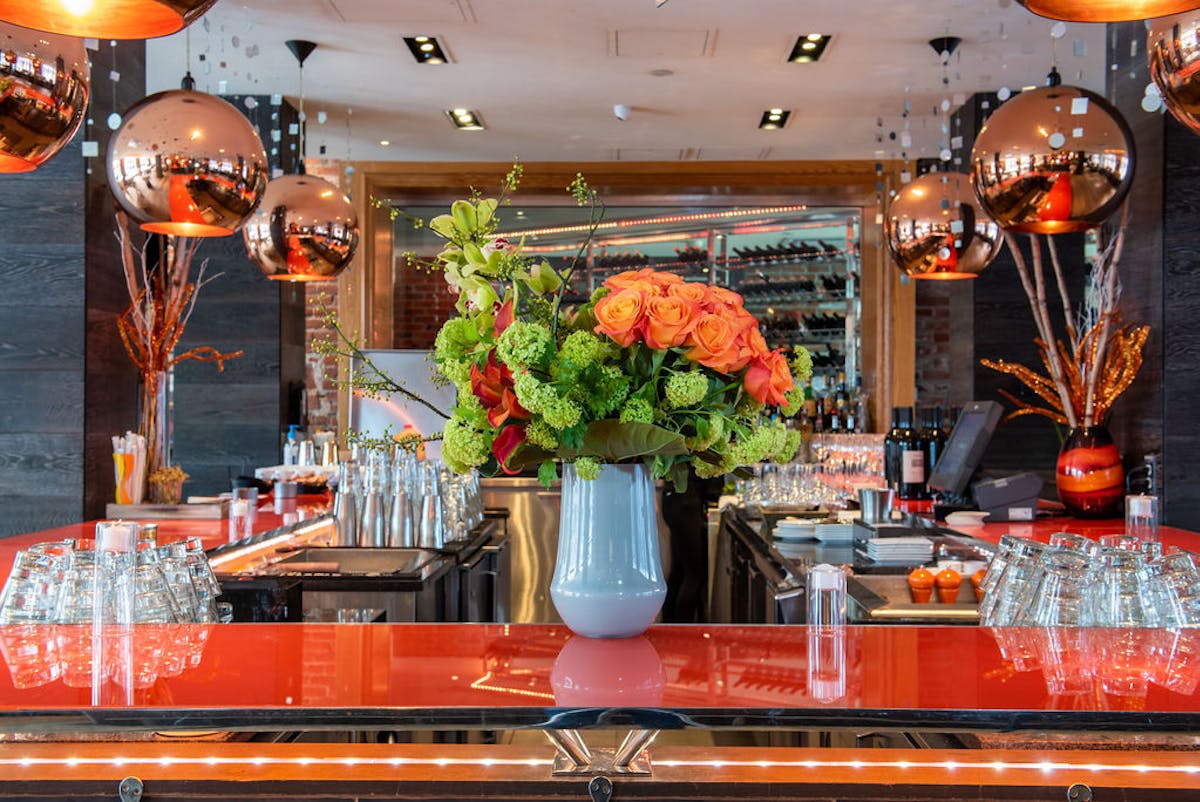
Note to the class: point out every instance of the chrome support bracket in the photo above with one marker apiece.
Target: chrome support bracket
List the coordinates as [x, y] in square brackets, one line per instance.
[1079, 793]
[130, 790]
[574, 758]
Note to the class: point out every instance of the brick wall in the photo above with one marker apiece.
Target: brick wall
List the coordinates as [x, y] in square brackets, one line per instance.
[422, 303]
[320, 393]
[933, 339]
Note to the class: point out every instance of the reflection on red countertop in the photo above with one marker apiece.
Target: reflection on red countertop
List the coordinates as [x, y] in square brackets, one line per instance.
[1042, 528]
[879, 668]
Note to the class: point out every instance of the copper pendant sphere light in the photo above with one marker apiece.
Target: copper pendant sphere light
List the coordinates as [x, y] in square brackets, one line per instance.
[1107, 10]
[936, 230]
[44, 90]
[1053, 160]
[105, 19]
[188, 164]
[1174, 51]
[304, 230]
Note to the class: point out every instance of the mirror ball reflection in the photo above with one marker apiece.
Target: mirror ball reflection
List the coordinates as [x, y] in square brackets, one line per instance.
[106, 19]
[1174, 50]
[936, 230]
[188, 164]
[305, 230]
[1053, 160]
[43, 95]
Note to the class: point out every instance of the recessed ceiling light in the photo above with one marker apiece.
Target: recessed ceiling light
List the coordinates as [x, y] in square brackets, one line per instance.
[426, 49]
[809, 47]
[773, 119]
[465, 119]
[385, 142]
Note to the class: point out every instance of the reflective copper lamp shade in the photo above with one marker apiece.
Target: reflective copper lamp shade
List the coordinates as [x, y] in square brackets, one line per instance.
[1174, 51]
[43, 95]
[1053, 160]
[1107, 10]
[105, 19]
[305, 230]
[188, 164]
[936, 230]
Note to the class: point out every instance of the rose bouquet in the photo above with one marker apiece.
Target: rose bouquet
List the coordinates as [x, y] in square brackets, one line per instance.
[651, 368]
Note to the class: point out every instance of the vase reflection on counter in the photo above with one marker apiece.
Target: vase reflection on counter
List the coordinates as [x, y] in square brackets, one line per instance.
[614, 673]
[1090, 477]
[608, 578]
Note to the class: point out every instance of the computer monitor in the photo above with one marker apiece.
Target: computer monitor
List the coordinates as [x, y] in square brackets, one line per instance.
[972, 432]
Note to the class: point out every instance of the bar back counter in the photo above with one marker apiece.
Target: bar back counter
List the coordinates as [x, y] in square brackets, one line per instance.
[337, 711]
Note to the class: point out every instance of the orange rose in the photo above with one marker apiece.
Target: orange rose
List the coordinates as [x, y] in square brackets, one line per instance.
[692, 291]
[768, 378]
[638, 279]
[620, 316]
[669, 320]
[727, 297]
[753, 345]
[712, 343]
[666, 280]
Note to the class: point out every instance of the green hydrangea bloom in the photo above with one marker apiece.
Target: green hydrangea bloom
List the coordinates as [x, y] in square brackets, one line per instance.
[714, 434]
[587, 468]
[584, 348]
[793, 400]
[534, 395]
[637, 411]
[458, 371]
[541, 435]
[801, 364]
[707, 471]
[562, 413]
[761, 443]
[607, 386]
[455, 338]
[523, 344]
[463, 446]
[686, 389]
[791, 444]
[471, 411]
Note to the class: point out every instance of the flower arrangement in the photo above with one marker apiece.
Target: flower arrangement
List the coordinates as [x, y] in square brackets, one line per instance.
[651, 367]
[1099, 357]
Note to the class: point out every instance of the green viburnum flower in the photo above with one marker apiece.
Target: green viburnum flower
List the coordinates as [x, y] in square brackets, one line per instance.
[761, 443]
[801, 364]
[562, 413]
[524, 344]
[456, 339]
[541, 435]
[607, 386]
[791, 444]
[458, 371]
[793, 400]
[710, 435]
[637, 411]
[534, 395]
[707, 470]
[686, 389]
[587, 468]
[584, 348]
[463, 446]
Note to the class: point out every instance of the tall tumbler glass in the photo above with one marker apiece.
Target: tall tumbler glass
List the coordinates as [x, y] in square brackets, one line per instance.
[1014, 590]
[1058, 600]
[1121, 592]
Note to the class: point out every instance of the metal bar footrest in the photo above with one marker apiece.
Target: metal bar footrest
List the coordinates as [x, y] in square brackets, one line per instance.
[574, 758]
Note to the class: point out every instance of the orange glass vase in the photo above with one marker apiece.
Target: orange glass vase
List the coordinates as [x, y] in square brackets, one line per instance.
[1090, 476]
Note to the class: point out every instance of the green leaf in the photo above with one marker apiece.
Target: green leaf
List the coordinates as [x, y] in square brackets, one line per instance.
[484, 211]
[613, 441]
[525, 456]
[443, 225]
[547, 473]
[679, 476]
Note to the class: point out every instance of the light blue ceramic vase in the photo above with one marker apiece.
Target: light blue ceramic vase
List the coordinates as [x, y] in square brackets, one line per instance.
[608, 580]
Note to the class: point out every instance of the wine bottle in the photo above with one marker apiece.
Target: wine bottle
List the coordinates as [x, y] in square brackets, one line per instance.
[912, 460]
[933, 439]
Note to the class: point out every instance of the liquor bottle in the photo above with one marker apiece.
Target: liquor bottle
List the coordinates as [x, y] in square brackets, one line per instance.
[861, 406]
[933, 439]
[892, 451]
[912, 460]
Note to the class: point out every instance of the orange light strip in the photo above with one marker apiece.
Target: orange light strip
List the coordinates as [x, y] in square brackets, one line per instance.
[728, 214]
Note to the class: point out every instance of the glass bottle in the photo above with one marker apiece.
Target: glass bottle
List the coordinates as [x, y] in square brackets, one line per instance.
[892, 452]
[345, 505]
[933, 439]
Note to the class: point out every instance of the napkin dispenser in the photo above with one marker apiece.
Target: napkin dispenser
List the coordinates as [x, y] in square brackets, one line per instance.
[1013, 498]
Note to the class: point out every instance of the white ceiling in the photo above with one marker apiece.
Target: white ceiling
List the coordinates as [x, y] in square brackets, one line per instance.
[545, 74]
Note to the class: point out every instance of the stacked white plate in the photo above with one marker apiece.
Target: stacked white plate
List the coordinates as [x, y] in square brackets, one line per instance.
[900, 549]
[794, 529]
[834, 533]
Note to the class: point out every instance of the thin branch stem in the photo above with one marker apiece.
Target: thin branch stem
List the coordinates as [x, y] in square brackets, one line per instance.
[1064, 296]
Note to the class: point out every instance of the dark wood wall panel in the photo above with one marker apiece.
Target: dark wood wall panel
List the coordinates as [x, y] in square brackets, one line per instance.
[112, 379]
[42, 344]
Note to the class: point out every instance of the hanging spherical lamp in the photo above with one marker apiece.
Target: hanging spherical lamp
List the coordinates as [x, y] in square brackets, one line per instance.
[1053, 160]
[1107, 10]
[43, 95]
[304, 230]
[1174, 50]
[936, 230]
[188, 164]
[105, 19]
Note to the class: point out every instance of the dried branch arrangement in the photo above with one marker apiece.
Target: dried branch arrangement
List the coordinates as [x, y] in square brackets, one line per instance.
[1086, 371]
[162, 296]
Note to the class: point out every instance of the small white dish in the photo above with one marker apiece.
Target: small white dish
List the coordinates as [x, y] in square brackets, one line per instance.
[966, 518]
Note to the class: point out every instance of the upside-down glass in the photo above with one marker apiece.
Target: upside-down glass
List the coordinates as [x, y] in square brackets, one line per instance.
[1059, 598]
[1120, 591]
[31, 594]
[1013, 590]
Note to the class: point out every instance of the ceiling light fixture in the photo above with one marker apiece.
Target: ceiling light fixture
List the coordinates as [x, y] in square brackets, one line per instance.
[105, 19]
[425, 49]
[809, 47]
[465, 119]
[773, 119]
[1107, 10]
